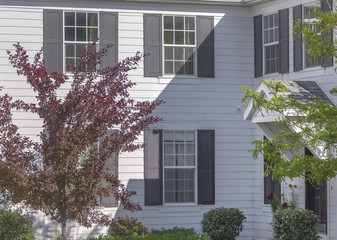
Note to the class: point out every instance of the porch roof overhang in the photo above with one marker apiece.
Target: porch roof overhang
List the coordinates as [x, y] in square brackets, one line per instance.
[302, 91]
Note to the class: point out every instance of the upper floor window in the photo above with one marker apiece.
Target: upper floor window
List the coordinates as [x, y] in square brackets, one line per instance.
[309, 18]
[179, 44]
[271, 43]
[80, 28]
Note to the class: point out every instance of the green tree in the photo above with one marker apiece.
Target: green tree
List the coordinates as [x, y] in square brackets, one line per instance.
[311, 124]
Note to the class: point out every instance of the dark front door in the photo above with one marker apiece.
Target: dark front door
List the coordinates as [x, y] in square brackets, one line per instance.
[316, 200]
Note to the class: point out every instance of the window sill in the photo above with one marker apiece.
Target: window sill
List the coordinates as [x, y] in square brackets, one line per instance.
[178, 208]
[191, 79]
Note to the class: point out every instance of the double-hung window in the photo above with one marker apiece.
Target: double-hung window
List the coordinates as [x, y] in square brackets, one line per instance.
[80, 28]
[308, 18]
[180, 166]
[271, 43]
[179, 43]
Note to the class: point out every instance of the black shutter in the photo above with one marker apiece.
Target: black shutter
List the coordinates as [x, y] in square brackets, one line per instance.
[205, 34]
[326, 7]
[153, 167]
[298, 45]
[111, 201]
[258, 46]
[109, 35]
[153, 45]
[206, 167]
[53, 40]
[284, 40]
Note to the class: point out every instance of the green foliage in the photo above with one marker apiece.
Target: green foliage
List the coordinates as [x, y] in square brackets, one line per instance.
[223, 223]
[15, 226]
[127, 227]
[311, 124]
[295, 224]
[162, 234]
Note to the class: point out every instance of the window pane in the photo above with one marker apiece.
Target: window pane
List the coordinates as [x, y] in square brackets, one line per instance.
[189, 54]
[92, 19]
[70, 34]
[168, 148]
[168, 22]
[189, 197]
[168, 136]
[179, 55]
[180, 185]
[92, 34]
[190, 148]
[190, 160]
[169, 53]
[80, 19]
[189, 185]
[189, 136]
[179, 67]
[168, 67]
[189, 174]
[169, 174]
[169, 185]
[79, 49]
[69, 18]
[179, 37]
[168, 160]
[70, 50]
[189, 23]
[81, 34]
[169, 197]
[180, 197]
[189, 38]
[180, 160]
[189, 68]
[179, 23]
[179, 136]
[180, 148]
[70, 61]
[168, 37]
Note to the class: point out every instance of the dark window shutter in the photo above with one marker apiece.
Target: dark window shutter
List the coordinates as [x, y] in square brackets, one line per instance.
[153, 167]
[284, 40]
[326, 7]
[298, 45]
[109, 35]
[206, 167]
[111, 201]
[205, 34]
[258, 46]
[153, 45]
[53, 40]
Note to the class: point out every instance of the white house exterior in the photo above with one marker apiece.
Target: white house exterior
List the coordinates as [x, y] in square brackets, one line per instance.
[203, 127]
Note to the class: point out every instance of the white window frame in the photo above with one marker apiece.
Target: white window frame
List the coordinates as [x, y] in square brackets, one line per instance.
[309, 21]
[77, 42]
[194, 46]
[181, 167]
[269, 44]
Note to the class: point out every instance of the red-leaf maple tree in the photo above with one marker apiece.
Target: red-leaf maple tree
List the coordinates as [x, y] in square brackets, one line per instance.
[47, 175]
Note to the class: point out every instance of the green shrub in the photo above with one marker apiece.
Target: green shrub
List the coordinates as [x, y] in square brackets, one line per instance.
[223, 223]
[15, 226]
[162, 234]
[295, 224]
[127, 227]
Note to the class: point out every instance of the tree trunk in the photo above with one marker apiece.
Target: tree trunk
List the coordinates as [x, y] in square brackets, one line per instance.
[64, 229]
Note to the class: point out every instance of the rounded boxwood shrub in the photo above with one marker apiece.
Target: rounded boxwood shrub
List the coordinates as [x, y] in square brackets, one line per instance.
[15, 226]
[223, 223]
[295, 224]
